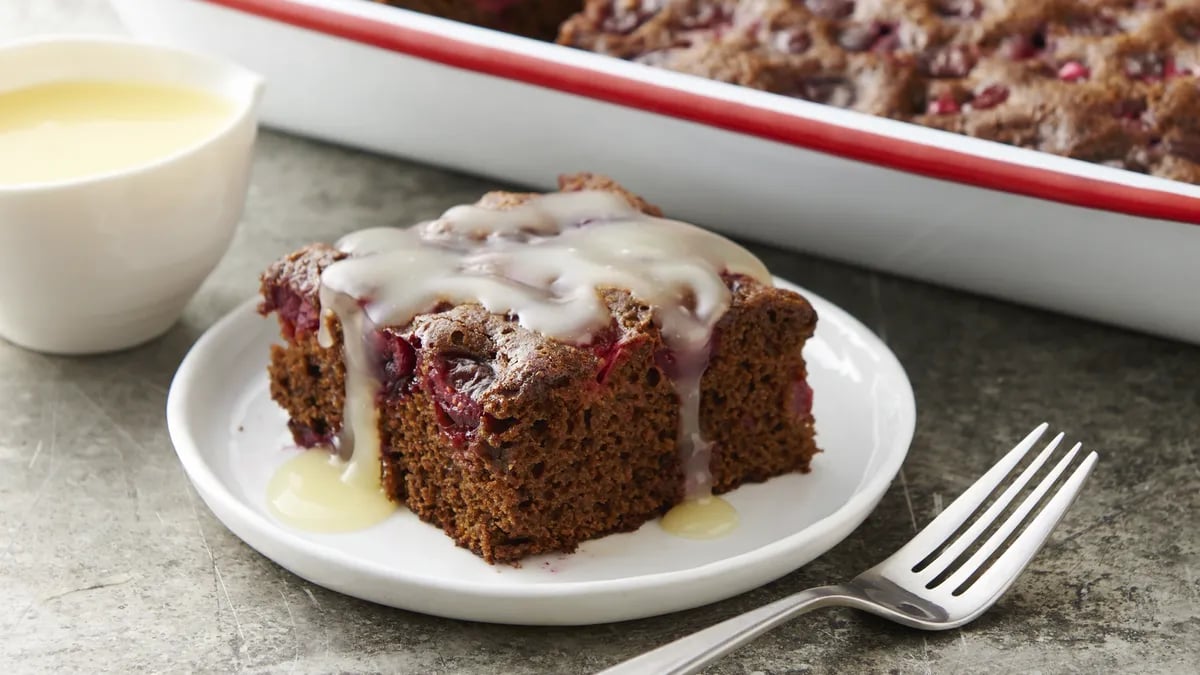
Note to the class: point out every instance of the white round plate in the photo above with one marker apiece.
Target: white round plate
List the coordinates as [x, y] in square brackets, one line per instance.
[230, 436]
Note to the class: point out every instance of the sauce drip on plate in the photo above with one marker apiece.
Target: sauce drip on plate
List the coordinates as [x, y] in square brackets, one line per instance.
[308, 493]
[701, 518]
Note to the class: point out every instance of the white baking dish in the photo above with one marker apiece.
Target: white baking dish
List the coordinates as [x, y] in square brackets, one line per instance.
[1047, 231]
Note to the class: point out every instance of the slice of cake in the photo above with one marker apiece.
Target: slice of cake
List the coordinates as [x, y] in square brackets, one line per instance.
[533, 371]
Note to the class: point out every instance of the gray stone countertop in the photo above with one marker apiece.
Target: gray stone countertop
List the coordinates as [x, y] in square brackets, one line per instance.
[110, 562]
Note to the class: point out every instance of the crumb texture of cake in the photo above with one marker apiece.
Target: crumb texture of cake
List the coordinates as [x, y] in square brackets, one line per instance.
[1115, 82]
[533, 371]
[531, 18]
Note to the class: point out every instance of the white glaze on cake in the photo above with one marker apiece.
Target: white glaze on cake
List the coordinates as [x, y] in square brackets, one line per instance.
[541, 262]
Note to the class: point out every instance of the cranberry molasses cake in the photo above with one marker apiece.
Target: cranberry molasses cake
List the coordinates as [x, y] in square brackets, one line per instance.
[1108, 81]
[533, 371]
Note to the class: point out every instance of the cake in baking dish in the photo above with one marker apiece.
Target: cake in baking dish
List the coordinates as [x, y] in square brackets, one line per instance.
[532, 371]
[531, 18]
[1116, 82]
[1108, 81]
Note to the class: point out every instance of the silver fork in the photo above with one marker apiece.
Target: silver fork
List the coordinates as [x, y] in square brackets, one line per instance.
[911, 587]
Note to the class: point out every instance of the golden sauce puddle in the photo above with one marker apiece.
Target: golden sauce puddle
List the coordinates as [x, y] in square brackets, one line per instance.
[702, 518]
[308, 493]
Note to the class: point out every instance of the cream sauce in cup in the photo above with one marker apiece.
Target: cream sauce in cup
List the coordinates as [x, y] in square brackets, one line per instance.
[79, 128]
[124, 168]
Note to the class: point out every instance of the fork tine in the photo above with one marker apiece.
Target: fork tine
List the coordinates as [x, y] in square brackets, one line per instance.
[964, 541]
[1010, 524]
[953, 516]
[1016, 558]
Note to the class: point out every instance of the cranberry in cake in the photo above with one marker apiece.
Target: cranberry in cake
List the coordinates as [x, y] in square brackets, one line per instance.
[1108, 81]
[532, 371]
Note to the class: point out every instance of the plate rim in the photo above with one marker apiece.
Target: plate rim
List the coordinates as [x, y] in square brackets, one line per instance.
[848, 516]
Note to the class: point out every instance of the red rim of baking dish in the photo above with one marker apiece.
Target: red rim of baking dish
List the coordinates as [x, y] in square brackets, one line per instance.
[865, 146]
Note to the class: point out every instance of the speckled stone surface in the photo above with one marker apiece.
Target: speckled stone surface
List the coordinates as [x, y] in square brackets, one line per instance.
[110, 562]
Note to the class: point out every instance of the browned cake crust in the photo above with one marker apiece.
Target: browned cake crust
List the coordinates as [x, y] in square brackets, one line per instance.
[1109, 81]
[517, 444]
[532, 18]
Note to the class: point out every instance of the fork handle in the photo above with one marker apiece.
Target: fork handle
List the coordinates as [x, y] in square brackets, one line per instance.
[689, 654]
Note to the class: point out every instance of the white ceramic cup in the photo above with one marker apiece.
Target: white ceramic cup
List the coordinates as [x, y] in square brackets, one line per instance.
[107, 262]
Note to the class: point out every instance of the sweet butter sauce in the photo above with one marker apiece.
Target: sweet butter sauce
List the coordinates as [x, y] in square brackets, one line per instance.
[76, 129]
[308, 493]
[704, 517]
[543, 262]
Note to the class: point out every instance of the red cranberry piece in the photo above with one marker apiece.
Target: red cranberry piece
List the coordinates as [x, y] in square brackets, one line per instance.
[830, 9]
[958, 9]
[610, 355]
[1149, 66]
[299, 316]
[1073, 71]
[990, 97]
[801, 398]
[397, 364]
[455, 384]
[835, 91]
[875, 36]
[889, 41]
[1133, 114]
[943, 105]
[623, 18]
[953, 61]
[1021, 47]
[610, 346]
[791, 41]
[310, 436]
